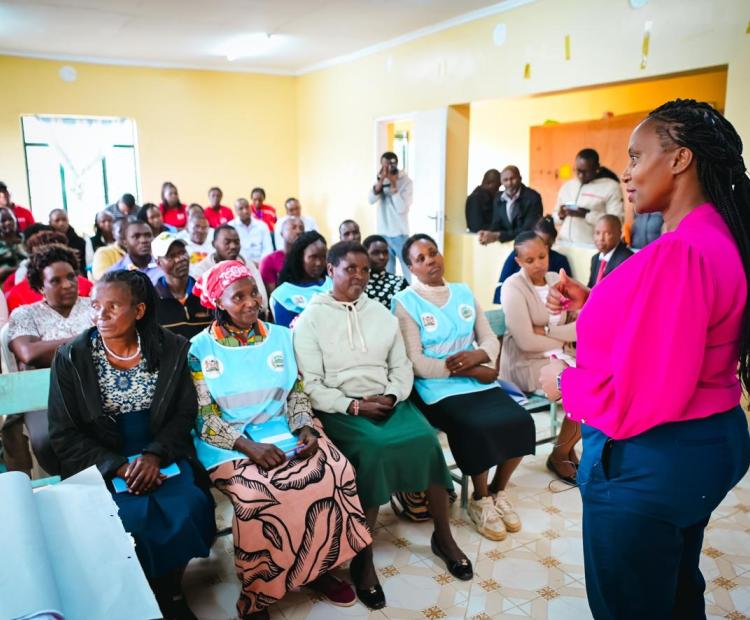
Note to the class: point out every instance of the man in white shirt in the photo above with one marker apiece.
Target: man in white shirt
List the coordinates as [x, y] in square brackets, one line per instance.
[293, 209]
[197, 239]
[255, 239]
[393, 192]
[583, 200]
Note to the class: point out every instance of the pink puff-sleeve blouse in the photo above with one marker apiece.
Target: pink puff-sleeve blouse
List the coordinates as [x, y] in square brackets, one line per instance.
[658, 338]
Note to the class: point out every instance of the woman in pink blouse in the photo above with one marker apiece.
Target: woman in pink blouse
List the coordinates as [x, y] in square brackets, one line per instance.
[656, 386]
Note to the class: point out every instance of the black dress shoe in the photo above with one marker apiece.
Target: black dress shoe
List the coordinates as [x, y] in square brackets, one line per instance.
[569, 479]
[460, 569]
[179, 610]
[372, 596]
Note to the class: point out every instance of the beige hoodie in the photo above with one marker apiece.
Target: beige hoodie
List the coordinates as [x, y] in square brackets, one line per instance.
[350, 350]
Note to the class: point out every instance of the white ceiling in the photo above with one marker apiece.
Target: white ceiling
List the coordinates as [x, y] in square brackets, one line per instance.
[195, 33]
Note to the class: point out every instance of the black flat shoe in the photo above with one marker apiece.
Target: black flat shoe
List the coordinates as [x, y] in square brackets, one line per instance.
[569, 479]
[372, 596]
[460, 569]
[179, 610]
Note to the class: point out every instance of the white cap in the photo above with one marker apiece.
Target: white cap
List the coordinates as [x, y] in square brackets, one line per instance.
[161, 244]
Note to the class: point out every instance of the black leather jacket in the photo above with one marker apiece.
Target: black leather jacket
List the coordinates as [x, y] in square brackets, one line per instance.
[83, 435]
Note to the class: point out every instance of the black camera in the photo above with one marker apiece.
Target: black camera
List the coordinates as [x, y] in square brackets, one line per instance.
[393, 169]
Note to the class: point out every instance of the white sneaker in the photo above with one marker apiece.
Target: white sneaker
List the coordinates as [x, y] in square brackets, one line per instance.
[509, 516]
[487, 519]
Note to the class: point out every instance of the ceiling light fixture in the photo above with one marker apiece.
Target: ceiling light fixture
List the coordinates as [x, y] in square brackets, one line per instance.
[251, 45]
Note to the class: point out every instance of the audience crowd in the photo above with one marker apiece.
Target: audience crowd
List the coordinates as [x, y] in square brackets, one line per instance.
[306, 381]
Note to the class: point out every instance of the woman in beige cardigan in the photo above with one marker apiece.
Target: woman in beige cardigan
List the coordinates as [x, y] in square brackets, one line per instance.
[534, 335]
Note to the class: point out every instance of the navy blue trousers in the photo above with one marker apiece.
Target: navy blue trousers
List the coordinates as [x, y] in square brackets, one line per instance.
[646, 503]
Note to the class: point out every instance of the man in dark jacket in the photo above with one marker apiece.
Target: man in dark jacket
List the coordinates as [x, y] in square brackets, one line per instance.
[177, 309]
[516, 209]
[612, 250]
[480, 201]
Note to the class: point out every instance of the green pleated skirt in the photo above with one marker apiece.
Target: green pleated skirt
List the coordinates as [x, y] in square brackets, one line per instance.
[400, 454]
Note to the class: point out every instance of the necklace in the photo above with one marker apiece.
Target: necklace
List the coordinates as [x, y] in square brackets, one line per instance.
[120, 357]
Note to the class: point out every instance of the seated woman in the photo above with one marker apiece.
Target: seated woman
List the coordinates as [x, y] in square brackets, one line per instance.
[546, 231]
[11, 248]
[36, 331]
[23, 293]
[382, 285]
[102, 236]
[227, 246]
[121, 398]
[356, 372]
[303, 275]
[152, 215]
[534, 335]
[286, 492]
[456, 384]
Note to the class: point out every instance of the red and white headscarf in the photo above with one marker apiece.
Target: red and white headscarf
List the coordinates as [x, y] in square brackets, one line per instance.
[216, 280]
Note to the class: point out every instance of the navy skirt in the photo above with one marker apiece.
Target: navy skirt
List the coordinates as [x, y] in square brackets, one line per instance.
[484, 428]
[172, 524]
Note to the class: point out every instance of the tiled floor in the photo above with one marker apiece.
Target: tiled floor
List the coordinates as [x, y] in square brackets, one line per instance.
[537, 573]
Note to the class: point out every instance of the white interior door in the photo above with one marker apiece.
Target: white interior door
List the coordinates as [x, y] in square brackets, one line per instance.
[427, 213]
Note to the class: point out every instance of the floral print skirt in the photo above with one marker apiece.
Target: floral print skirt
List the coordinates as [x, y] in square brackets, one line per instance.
[291, 524]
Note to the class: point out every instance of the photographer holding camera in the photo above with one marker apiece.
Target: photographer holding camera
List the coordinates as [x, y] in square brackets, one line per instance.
[393, 193]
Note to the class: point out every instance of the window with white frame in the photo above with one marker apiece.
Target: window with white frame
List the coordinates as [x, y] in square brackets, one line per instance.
[80, 164]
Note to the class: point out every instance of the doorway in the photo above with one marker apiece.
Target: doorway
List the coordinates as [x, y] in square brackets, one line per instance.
[419, 139]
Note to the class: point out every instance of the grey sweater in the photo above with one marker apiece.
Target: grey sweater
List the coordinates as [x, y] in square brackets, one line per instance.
[347, 351]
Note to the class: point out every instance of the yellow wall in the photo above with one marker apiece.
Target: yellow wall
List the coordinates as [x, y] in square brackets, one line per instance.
[195, 128]
[337, 107]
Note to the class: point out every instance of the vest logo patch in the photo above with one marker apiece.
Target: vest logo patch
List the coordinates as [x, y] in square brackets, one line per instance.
[299, 300]
[466, 312]
[212, 367]
[276, 361]
[429, 321]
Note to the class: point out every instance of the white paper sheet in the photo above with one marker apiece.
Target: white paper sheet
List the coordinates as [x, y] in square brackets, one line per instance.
[92, 557]
[65, 553]
[27, 584]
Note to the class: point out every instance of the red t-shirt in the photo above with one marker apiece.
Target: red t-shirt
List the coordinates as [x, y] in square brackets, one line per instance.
[22, 294]
[270, 267]
[224, 216]
[23, 215]
[267, 215]
[174, 216]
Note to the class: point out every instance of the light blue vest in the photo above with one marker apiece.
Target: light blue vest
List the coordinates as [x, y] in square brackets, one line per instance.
[444, 331]
[295, 298]
[250, 384]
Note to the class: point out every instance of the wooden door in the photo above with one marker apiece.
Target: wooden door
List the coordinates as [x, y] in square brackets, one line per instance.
[554, 148]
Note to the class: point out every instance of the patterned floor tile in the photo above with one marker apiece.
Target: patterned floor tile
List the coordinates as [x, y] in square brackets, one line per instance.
[416, 591]
[536, 573]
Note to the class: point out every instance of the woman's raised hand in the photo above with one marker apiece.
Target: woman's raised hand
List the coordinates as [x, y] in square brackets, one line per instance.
[567, 295]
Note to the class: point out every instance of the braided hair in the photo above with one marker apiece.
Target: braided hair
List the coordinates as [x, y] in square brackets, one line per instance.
[142, 292]
[294, 265]
[717, 149]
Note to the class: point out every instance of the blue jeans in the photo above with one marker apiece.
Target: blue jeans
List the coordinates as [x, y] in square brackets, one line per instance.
[646, 503]
[395, 245]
